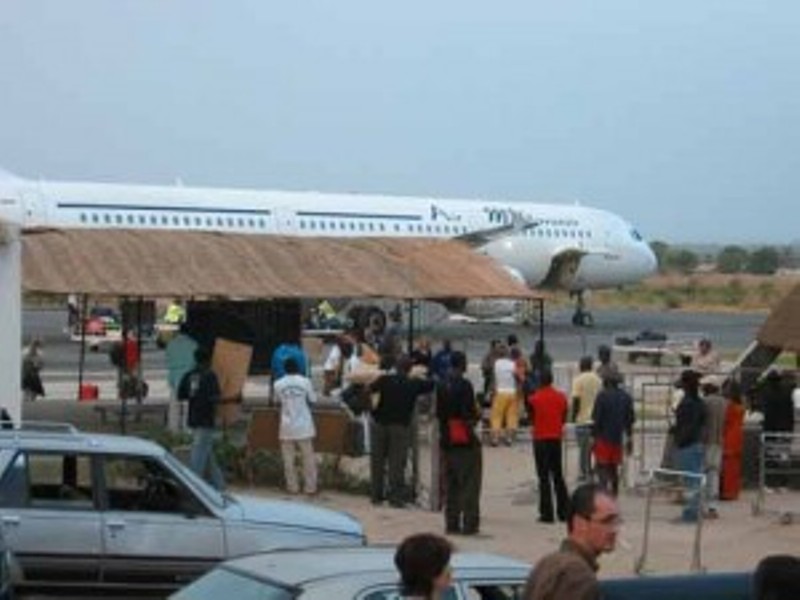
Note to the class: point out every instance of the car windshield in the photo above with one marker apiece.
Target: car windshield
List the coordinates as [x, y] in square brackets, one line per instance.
[222, 583]
[198, 483]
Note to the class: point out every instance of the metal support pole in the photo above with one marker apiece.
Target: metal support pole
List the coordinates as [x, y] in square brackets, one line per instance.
[411, 305]
[139, 386]
[84, 309]
[123, 413]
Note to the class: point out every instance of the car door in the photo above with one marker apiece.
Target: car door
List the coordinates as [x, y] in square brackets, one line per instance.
[49, 517]
[155, 530]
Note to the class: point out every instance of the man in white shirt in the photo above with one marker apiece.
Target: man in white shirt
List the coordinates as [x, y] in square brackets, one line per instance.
[295, 395]
[504, 401]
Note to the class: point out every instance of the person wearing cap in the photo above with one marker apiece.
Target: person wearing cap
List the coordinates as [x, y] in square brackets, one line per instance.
[706, 360]
[716, 409]
[613, 419]
[690, 419]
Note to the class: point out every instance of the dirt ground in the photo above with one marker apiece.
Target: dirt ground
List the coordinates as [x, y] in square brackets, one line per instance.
[734, 541]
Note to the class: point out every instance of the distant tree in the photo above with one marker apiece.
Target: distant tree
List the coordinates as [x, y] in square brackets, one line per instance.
[732, 259]
[763, 261]
[682, 260]
[660, 249]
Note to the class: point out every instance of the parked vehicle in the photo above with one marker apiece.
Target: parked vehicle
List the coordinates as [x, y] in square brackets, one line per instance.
[370, 574]
[80, 509]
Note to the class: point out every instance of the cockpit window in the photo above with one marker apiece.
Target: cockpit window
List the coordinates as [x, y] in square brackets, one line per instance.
[635, 235]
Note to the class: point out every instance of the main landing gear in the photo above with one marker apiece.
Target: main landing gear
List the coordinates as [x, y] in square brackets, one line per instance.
[581, 317]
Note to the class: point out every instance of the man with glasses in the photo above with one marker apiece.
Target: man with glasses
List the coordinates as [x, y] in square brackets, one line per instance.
[570, 573]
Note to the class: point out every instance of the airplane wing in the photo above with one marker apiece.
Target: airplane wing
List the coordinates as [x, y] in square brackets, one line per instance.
[518, 224]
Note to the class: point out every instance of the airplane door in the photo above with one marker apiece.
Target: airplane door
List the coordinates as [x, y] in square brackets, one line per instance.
[285, 222]
[34, 208]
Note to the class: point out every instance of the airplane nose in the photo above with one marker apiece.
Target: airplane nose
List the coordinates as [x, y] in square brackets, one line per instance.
[649, 260]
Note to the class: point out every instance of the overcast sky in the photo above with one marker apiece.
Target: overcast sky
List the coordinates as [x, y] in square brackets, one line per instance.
[680, 115]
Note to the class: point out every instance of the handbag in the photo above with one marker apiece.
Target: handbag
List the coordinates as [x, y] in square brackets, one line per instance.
[458, 432]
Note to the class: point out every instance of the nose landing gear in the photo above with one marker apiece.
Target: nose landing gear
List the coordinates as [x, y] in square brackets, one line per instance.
[581, 317]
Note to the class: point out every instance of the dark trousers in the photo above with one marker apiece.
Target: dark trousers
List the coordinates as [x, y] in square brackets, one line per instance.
[464, 476]
[547, 454]
[389, 446]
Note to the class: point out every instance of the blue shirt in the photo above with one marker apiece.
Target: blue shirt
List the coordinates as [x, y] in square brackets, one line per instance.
[180, 358]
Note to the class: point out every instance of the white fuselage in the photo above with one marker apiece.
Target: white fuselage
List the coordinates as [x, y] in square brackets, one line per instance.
[610, 251]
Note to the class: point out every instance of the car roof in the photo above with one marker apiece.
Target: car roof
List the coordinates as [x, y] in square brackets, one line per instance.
[77, 441]
[295, 568]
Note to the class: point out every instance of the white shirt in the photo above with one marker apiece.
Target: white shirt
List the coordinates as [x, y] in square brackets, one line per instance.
[504, 380]
[332, 364]
[294, 393]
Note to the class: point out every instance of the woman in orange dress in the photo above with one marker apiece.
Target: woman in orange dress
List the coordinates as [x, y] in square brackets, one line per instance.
[732, 444]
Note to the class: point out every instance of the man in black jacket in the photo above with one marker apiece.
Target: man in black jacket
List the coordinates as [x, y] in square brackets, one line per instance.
[200, 387]
[690, 418]
[458, 414]
[390, 430]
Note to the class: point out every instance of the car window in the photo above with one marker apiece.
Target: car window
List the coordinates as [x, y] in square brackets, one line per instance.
[493, 591]
[62, 481]
[14, 485]
[221, 583]
[393, 593]
[143, 484]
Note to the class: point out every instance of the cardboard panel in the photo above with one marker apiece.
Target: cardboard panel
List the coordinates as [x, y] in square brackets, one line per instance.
[231, 362]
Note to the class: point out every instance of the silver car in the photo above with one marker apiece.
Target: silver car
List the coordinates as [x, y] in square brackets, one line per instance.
[370, 574]
[80, 509]
[357, 573]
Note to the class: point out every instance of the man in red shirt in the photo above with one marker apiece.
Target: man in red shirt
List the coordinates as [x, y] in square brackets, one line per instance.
[548, 408]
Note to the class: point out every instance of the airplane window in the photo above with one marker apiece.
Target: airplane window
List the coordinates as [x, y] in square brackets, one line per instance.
[187, 221]
[352, 226]
[322, 224]
[198, 221]
[312, 224]
[118, 219]
[240, 221]
[229, 222]
[251, 223]
[588, 234]
[635, 235]
[396, 227]
[95, 218]
[419, 228]
[130, 218]
[142, 219]
[83, 217]
[372, 227]
[302, 224]
[409, 227]
[153, 220]
[262, 223]
[209, 222]
[382, 228]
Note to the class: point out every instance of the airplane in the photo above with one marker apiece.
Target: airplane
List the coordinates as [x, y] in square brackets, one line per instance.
[546, 246]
